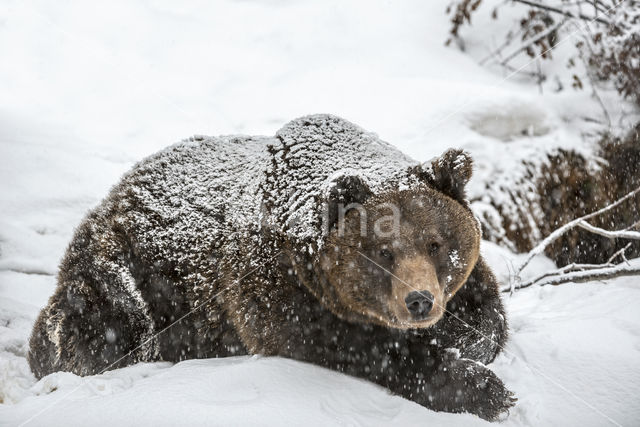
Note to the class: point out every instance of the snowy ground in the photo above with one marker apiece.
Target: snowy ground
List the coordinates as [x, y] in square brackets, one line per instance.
[87, 89]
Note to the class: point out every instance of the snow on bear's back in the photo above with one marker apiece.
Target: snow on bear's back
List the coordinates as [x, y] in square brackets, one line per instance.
[200, 193]
[188, 198]
[309, 153]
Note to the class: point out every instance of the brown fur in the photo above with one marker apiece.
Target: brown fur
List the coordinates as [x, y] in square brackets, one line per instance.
[353, 264]
[174, 264]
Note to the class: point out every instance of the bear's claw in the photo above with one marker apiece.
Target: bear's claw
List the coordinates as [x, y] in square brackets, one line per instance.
[483, 393]
[498, 401]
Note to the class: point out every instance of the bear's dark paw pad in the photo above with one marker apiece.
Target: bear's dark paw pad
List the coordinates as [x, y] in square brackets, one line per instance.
[495, 400]
[480, 391]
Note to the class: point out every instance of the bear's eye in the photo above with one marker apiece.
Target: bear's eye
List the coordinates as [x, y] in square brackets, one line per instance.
[386, 254]
[434, 247]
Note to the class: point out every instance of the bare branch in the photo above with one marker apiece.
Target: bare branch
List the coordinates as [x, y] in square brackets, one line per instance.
[634, 225]
[589, 71]
[563, 270]
[620, 253]
[568, 226]
[619, 234]
[535, 75]
[508, 39]
[532, 41]
[563, 12]
[619, 270]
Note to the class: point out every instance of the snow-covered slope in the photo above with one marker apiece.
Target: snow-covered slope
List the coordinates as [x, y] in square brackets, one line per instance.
[88, 88]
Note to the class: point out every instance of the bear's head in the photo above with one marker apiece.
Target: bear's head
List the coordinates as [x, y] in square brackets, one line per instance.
[397, 258]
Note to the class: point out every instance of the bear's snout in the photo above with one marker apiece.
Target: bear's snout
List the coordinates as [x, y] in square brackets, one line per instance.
[419, 304]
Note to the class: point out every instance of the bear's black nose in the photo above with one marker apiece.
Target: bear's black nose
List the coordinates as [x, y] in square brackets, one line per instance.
[419, 304]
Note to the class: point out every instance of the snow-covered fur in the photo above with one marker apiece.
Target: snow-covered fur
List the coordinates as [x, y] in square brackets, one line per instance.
[217, 247]
[309, 155]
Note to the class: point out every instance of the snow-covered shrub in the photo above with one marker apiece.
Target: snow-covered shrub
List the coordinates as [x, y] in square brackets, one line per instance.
[607, 38]
[615, 54]
[565, 186]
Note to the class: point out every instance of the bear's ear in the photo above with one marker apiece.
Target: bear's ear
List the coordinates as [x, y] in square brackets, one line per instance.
[343, 191]
[449, 173]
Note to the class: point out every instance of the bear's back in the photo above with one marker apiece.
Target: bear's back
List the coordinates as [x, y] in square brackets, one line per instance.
[180, 205]
[178, 208]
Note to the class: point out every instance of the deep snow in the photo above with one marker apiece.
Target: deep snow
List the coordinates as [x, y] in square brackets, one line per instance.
[88, 88]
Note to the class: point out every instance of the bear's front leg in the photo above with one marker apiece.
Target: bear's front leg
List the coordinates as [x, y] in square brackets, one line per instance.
[289, 321]
[475, 323]
[405, 363]
[453, 384]
[408, 366]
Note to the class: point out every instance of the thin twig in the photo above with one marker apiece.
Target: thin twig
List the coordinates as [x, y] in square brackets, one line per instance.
[532, 41]
[510, 38]
[589, 72]
[526, 73]
[540, 76]
[634, 225]
[620, 253]
[563, 12]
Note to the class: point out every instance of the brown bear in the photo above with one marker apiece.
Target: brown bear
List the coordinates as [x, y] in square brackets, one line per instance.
[322, 244]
